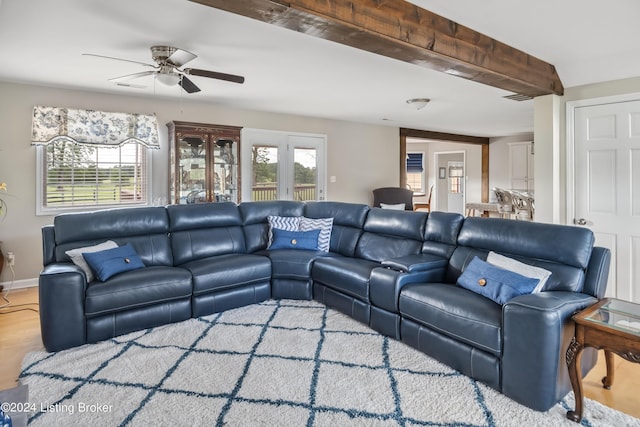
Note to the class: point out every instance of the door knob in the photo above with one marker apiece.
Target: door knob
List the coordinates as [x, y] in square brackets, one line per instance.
[580, 221]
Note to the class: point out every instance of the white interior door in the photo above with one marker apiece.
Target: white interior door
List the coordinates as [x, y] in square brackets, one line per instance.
[521, 166]
[607, 187]
[455, 190]
[450, 181]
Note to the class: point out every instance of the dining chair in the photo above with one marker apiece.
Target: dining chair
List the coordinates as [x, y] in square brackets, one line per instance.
[524, 205]
[392, 197]
[505, 202]
[427, 206]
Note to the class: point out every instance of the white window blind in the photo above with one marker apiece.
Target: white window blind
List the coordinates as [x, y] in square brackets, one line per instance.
[80, 175]
[90, 158]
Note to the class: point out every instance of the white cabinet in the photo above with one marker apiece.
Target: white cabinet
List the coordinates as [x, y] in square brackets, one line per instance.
[521, 158]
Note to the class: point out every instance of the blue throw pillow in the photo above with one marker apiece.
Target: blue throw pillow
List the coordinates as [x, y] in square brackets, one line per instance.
[110, 262]
[283, 239]
[495, 283]
[289, 223]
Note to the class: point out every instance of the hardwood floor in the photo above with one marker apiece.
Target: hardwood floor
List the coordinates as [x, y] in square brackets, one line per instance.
[20, 334]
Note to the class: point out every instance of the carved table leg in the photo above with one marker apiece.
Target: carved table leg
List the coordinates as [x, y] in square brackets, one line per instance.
[574, 358]
[607, 381]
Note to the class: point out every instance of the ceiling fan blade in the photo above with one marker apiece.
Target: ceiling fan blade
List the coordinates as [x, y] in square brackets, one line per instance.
[118, 59]
[214, 75]
[181, 57]
[125, 84]
[132, 76]
[188, 85]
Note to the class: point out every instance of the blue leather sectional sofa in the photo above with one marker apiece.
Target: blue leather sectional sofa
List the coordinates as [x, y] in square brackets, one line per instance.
[395, 271]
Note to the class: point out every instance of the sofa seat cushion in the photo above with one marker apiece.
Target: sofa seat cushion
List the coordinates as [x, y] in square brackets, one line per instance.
[228, 271]
[345, 274]
[137, 288]
[292, 263]
[456, 312]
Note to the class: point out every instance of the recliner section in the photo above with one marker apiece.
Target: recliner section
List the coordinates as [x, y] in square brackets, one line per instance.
[392, 270]
[208, 240]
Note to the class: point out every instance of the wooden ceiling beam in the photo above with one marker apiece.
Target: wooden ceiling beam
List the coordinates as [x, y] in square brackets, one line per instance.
[441, 136]
[403, 31]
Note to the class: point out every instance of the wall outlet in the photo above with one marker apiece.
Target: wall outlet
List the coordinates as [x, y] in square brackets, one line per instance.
[11, 259]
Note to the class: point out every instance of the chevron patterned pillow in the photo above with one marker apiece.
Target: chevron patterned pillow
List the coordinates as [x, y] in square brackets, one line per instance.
[324, 224]
[287, 223]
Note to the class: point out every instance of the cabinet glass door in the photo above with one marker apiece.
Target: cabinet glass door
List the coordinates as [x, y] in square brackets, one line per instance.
[204, 163]
[192, 176]
[225, 170]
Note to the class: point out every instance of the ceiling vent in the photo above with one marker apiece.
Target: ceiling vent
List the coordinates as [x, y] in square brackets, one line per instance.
[518, 97]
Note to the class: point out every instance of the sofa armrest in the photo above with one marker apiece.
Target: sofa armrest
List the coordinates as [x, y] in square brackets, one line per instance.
[537, 330]
[595, 282]
[61, 288]
[385, 284]
[415, 263]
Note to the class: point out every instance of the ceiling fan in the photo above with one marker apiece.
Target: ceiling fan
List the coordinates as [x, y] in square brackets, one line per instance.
[167, 70]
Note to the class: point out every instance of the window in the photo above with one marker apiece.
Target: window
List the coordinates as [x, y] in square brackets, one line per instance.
[91, 158]
[76, 176]
[456, 175]
[415, 172]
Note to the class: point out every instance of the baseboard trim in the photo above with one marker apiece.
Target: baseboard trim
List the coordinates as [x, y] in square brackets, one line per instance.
[20, 284]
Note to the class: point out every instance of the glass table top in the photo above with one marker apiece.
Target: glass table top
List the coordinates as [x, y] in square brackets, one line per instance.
[618, 314]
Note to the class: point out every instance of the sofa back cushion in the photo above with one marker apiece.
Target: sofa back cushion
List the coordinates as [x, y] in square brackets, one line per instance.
[254, 219]
[145, 228]
[563, 250]
[391, 234]
[348, 221]
[202, 230]
[441, 233]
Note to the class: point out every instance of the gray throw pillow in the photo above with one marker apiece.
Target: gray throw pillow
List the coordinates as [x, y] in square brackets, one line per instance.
[521, 268]
[324, 224]
[78, 259]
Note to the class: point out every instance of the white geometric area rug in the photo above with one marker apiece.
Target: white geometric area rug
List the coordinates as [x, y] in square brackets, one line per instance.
[279, 363]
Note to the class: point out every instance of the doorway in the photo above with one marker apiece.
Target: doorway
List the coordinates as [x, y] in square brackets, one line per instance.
[482, 183]
[604, 172]
[449, 190]
[282, 165]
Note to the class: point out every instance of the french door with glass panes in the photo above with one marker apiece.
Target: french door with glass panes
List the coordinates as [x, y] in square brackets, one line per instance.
[282, 165]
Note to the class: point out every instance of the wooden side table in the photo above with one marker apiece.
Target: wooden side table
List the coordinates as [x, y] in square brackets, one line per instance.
[611, 325]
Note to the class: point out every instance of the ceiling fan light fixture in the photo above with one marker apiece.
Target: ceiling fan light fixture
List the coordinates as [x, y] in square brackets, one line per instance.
[168, 79]
[168, 71]
[418, 103]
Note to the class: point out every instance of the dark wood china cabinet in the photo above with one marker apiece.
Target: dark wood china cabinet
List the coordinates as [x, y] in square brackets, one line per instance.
[204, 163]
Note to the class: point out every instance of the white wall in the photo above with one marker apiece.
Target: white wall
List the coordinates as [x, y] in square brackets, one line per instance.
[361, 157]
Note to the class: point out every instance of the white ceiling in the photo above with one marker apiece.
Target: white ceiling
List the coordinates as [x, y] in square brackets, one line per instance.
[43, 42]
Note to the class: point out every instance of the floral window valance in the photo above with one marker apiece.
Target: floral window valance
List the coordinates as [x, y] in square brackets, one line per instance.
[93, 127]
